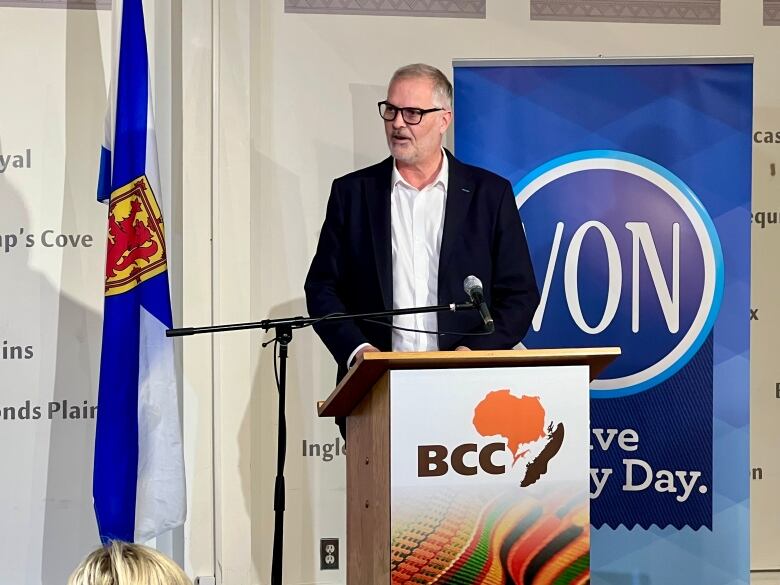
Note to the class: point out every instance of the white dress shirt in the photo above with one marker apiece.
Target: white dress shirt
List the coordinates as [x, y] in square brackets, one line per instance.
[416, 225]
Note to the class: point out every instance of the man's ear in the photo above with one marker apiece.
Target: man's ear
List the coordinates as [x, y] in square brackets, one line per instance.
[446, 120]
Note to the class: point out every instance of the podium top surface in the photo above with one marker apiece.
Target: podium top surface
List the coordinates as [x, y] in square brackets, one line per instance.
[367, 371]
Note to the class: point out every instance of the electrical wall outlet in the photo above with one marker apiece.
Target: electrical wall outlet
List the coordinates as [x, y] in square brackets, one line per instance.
[329, 554]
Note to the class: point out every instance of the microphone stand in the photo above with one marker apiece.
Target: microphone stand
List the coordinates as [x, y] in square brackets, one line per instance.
[283, 330]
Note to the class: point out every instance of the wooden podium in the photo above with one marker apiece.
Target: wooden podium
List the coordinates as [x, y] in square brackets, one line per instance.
[365, 395]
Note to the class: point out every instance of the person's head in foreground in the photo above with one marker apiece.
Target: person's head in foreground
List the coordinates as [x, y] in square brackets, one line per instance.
[123, 563]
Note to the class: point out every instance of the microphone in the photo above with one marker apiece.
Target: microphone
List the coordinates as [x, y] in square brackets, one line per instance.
[472, 286]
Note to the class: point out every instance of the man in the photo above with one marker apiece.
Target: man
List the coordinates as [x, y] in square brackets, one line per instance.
[407, 231]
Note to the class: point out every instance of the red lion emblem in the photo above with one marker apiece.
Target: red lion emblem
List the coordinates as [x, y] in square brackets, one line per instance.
[129, 241]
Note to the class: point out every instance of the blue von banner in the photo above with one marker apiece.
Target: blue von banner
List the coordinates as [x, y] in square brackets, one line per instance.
[633, 181]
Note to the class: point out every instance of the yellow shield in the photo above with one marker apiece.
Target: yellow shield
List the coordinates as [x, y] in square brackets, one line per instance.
[136, 240]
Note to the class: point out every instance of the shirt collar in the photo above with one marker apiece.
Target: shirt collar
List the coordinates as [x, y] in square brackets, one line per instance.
[442, 178]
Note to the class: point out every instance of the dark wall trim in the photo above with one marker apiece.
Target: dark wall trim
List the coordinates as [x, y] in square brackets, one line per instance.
[653, 11]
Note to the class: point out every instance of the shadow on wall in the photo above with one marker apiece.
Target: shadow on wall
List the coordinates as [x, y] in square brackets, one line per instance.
[53, 454]
[261, 417]
[70, 530]
[370, 144]
[282, 245]
[279, 247]
[27, 307]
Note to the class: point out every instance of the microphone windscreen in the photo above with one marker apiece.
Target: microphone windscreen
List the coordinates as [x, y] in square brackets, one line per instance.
[471, 283]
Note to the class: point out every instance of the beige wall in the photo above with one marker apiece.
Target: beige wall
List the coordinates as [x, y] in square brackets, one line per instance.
[257, 111]
[285, 103]
[50, 298]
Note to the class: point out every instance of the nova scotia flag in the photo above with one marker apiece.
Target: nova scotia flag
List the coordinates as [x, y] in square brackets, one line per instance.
[138, 478]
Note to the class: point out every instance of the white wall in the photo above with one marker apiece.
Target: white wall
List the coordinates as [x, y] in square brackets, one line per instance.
[50, 298]
[314, 81]
[272, 107]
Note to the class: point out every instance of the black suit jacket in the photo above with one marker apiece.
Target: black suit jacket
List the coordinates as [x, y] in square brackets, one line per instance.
[352, 268]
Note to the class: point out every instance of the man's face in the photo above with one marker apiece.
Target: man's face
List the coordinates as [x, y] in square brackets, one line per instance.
[420, 143]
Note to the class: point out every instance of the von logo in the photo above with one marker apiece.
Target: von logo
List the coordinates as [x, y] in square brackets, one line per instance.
[626, 256]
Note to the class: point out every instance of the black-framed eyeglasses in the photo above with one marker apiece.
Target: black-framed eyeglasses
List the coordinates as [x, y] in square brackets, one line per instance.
[411, 116]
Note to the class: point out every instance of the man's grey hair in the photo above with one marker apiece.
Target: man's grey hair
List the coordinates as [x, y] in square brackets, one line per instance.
[442, 88]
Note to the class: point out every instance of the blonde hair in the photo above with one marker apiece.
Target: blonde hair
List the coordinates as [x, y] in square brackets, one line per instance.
[124, 563]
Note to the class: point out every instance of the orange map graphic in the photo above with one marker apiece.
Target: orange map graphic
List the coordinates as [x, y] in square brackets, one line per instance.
[519, 420]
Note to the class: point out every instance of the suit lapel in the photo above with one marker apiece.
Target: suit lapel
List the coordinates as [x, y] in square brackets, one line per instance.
[460, 190]
[377, 196]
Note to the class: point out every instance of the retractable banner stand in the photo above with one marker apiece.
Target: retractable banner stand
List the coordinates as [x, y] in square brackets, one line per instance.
[632, 178]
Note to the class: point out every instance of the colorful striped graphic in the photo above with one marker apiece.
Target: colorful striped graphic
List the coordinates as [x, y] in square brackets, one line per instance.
[514, 537]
